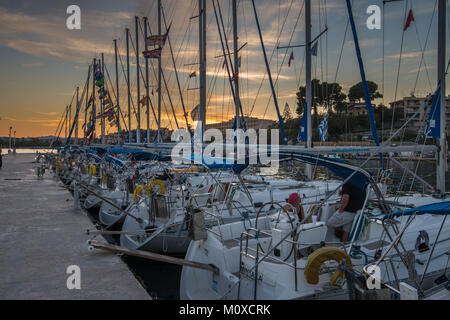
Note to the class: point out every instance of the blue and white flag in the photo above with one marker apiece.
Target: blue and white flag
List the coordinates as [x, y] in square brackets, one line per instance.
[303, 130]
[433, 127]
[323, 129]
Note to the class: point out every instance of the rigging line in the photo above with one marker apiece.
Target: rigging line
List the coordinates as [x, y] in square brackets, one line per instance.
[284, 57]
[143, 79]
[175, 69]
[422, 59]
[270, 59]
[165, 83]
[120, 111]
[127, 81]
[398, 68]
[229, 64]
[382, 74]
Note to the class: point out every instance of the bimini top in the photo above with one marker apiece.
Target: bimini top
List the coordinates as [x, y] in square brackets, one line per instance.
[440, 208]
[123, 150]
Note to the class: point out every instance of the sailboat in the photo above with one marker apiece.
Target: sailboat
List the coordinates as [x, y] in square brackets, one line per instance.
[279, 257]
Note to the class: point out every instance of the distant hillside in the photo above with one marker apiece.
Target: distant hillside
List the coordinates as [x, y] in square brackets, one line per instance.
[29, 141]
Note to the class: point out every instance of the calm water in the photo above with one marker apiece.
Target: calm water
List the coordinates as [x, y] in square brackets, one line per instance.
[25, 150]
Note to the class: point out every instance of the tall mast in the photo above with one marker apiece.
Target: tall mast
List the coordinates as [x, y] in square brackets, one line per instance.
[117, 92]
[236, 63]
[147, 81]
[76, 123]
[69, 118]
[10, 137]
[102, 107]
[308, 106]
[127, 32]
[138, 85]
[65, 122]
[94, 115]
[442, 161]
[159, 76]
[87, 102]
[202, 61]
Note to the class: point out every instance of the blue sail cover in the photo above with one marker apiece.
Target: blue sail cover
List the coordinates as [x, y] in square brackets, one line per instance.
[340, 168]
[360, 177]
[115, 161]
[94, 157]
[440, 208]
[123, 150]
[149, 156]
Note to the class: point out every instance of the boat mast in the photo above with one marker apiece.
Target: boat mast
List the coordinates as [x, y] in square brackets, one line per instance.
[87, 102]
[308, 106]
[102, 107]
[94, 69]
[117, 91]
[69, 119]
[269, 75]
[236, 64]
[442, 155]
[138, 85]
[147, 81]
[127, 32]
[202, 61]
[76, 123]
[159, 76]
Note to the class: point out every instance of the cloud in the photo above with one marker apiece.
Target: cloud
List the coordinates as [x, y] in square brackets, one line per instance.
[31, 65]
[47, 36]
[47, 113]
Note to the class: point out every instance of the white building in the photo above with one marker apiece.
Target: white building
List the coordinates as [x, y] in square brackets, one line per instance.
[408, 106]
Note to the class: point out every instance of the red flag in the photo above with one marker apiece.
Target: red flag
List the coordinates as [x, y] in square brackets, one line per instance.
[193, 74]
[291, 58]
[408, 20]
[235, 77]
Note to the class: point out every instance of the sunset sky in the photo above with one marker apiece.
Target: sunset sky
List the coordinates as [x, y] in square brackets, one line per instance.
[42, 62]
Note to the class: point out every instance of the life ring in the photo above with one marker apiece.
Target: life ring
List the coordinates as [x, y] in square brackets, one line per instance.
[139, 190]
[160, 183]
[92, 170]
[318, 257]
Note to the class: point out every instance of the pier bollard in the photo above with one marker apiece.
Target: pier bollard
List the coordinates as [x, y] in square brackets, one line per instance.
[76, 196]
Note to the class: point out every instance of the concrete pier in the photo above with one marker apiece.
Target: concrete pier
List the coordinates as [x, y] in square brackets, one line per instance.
[41, 235]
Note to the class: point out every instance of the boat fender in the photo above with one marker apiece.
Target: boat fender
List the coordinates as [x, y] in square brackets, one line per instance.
[92, 170]
[319, 257]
